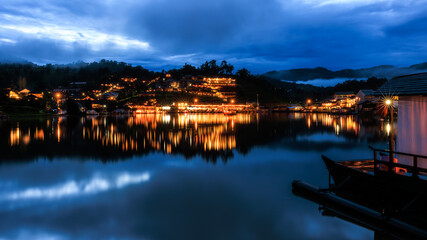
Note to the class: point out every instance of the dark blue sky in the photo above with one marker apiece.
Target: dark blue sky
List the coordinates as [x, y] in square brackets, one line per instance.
[260, 35]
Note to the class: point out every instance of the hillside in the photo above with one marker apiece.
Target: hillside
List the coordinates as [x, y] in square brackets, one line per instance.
[383, 71]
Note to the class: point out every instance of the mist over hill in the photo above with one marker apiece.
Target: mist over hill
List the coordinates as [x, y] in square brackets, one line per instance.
[383, 71]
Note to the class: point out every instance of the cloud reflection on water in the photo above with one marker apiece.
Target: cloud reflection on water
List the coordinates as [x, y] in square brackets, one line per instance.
[62, 195]
[70, 188]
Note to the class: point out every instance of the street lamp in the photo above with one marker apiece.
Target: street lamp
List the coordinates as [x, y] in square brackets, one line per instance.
[389, 104]
[196, 100]
[58, 97]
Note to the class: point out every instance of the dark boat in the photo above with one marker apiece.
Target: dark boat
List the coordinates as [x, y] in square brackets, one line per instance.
[375, 194]
[382, 193]
[377, 175]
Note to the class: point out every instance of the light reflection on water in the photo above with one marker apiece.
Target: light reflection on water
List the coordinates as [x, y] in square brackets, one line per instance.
[146, 187]
[168, 134]
[159, 132]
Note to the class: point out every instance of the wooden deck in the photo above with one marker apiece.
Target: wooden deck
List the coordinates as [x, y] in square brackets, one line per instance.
[361, 165]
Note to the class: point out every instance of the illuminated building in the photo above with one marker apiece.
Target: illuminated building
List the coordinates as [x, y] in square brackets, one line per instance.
[37, 95]
[224, 88]
[409, 95]
[130, 80]
[111, 96]
[343, 95]
[365, 95]
[14, 95]
[24, 92]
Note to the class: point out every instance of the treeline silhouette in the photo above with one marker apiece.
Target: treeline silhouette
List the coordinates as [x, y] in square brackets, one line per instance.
[249, 86]
[40, 78]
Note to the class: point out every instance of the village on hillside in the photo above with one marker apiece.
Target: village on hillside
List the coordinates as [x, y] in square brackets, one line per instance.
[172, 93]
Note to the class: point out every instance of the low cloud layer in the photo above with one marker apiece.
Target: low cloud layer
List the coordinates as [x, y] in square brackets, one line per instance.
[259, 35]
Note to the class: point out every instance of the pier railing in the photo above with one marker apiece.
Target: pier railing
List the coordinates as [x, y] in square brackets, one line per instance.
[414, 169]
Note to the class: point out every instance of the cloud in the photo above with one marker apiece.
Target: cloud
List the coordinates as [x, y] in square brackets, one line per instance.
[6, 40]
[264, 35]
[354, 3]
[30, 28]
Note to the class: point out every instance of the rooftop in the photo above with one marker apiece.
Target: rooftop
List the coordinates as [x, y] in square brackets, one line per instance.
[344, 93]
[414, 84]
[367, 92]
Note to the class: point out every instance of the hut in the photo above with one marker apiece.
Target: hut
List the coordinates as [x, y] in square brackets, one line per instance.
[411, 92]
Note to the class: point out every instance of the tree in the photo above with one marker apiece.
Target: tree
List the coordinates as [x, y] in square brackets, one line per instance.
[188, 69]
[226, 68]
[243, 73]
[209, 68]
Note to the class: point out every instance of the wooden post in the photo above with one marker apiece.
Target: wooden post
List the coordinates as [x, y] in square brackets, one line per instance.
[375, 155]
[375, 160]
[415, 171]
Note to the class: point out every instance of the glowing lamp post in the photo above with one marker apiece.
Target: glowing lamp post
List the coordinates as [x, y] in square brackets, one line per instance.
[196, 100]
[389, 104]
[58, 99]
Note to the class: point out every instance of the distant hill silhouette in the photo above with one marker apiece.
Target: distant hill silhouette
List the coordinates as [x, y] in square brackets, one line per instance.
[7, 59]
[383, 71]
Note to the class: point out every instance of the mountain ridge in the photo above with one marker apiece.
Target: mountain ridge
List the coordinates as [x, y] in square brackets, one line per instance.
[381, 71]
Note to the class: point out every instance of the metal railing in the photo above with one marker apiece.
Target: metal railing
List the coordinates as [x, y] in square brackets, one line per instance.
[413, 169]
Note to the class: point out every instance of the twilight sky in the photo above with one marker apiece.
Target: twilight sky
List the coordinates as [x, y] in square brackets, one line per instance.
[260, 35]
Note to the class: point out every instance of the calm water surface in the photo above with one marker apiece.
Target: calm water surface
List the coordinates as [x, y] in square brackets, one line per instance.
[174, 176]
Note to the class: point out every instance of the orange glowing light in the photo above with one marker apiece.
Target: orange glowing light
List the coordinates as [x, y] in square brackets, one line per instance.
[13, 95]
[196, 100]
[308, 101]
[58, 95]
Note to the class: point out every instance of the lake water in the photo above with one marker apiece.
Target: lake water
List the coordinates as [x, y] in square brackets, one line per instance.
[174, 176]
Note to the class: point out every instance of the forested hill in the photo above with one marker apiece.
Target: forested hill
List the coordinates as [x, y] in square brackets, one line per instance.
[383, 71]
[41, 78]
[37, 77]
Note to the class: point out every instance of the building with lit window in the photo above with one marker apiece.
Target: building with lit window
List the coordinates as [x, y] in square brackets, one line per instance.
[411, 94]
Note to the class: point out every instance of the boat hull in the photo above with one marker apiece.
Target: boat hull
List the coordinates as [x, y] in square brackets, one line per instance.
[383, 191]
[376, 180]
